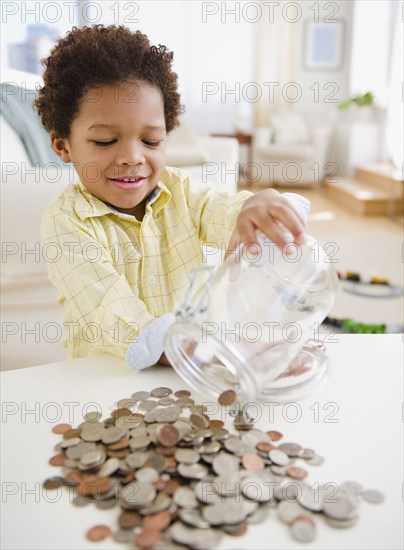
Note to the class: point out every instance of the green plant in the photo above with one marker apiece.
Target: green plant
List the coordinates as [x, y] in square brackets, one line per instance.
[367, 99]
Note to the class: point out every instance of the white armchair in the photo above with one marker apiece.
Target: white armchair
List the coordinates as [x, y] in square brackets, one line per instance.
[292, 159]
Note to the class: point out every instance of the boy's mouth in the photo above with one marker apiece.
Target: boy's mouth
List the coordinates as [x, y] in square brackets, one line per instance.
[129, 182]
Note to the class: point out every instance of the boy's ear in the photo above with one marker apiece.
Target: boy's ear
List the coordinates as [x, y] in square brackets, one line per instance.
[61, 147]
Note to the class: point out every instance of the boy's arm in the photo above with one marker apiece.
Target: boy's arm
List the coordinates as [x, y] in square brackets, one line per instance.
[100, 299]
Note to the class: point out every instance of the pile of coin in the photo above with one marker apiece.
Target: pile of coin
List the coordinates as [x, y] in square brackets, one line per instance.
[182, 480]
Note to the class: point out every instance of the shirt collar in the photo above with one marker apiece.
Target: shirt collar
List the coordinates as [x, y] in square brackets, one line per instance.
[88, 206]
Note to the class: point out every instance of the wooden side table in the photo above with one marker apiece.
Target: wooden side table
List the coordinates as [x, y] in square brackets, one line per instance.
[243, 139]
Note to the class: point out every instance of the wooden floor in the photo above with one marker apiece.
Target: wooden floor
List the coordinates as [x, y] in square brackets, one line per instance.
[366, 244]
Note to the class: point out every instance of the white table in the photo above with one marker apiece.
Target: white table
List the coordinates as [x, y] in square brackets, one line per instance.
[364, 442]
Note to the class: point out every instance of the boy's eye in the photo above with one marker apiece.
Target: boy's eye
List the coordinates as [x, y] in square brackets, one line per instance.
[152, 143]
[104, 143]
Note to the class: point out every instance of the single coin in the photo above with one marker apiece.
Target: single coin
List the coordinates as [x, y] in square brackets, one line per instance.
[53, 482]
[373, 496]
[168, 435]
[92, 416]
[160, 521]
[274, 435]
[106, 504]
[279, 457]
[352, 487]
[61, 428]
[80, 501]
[252, 462]
[98, 533]
[216, 423]
[182, 393]
[315, 460]
[57, 460]
[74, 432]
[227, 397]
[140, 395]
[147, 538]
[161, 392]
[296, 473]
[264, 447]
[129, 520]
[342, 524]
[123, 535]
[72, 479]
[303, 529]
[236, 530]
[291, 449]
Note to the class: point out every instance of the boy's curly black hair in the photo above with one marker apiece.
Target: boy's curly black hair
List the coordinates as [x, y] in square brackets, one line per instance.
[98, 55]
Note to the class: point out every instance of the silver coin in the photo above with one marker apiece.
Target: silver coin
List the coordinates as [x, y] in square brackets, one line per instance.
[80, 501]
[92, 416]
[373, 496]
[351, 487]
[260, 515]
[343, 507]
[106, 504]
[289, 511]
[224, 463]
[257, 489]
[147, 475]
[148, 405]
[160, 503]
[92, 457]
[306, 453]
[112, 435]
[140, 442]
[278, 470]
[141, 395]
[161, 392]
[184, 497]
[315, 460]
[126, 403]
[212, 447]
[230, 512]
[123, 535]
[205, 491]
[228, 485]
[109, 467]
[279, 457]
[234, 445]
[303, 530]
[127, 422]
[167, 414]
[192, 471]
[194, 537]
[291, 449]
[220, 434]
[186, 456]
[165, 401]
[137, 460]
[194, 518]
[76, 452]
[136, 495]
[342, 524]
[182, 393]
[312, 498]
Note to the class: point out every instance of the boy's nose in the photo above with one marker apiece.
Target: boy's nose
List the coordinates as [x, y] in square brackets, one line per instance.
[130, 154]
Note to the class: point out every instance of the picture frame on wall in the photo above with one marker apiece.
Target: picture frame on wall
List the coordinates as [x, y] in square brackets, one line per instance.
[323, 46]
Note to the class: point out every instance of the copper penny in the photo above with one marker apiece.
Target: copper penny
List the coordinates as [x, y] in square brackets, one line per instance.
[131, 476]
[117, 413]
[296, 473]
[158, 521]
[147, 538]
[57, 460]
[252, 462]
[93, 486]
[121, 444]
[227, 397]
[264, 447]
[216, 424]
[274, 435]
[138, 415]
[171, 486]
[61, 428]
[98, 532]
[166, 451]
[129, 520]
[170, 462]
[70, 434]
[168, 435]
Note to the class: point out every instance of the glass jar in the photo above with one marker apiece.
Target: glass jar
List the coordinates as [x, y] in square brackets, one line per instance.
[247, 325]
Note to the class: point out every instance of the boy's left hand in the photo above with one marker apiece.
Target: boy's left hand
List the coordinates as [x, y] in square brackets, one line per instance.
[264, 212]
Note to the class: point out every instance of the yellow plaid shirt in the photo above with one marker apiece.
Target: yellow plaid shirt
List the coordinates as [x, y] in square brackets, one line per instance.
[115, 275]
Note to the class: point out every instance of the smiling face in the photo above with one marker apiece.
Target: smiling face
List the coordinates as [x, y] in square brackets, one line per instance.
[117, 144]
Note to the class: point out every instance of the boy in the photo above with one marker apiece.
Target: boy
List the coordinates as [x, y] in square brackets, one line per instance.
[130, 231]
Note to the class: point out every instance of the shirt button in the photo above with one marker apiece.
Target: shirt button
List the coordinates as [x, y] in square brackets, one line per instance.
[152, 279]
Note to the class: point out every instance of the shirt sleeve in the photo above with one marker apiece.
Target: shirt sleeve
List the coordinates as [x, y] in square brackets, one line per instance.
[100, 299]
[214, 213]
